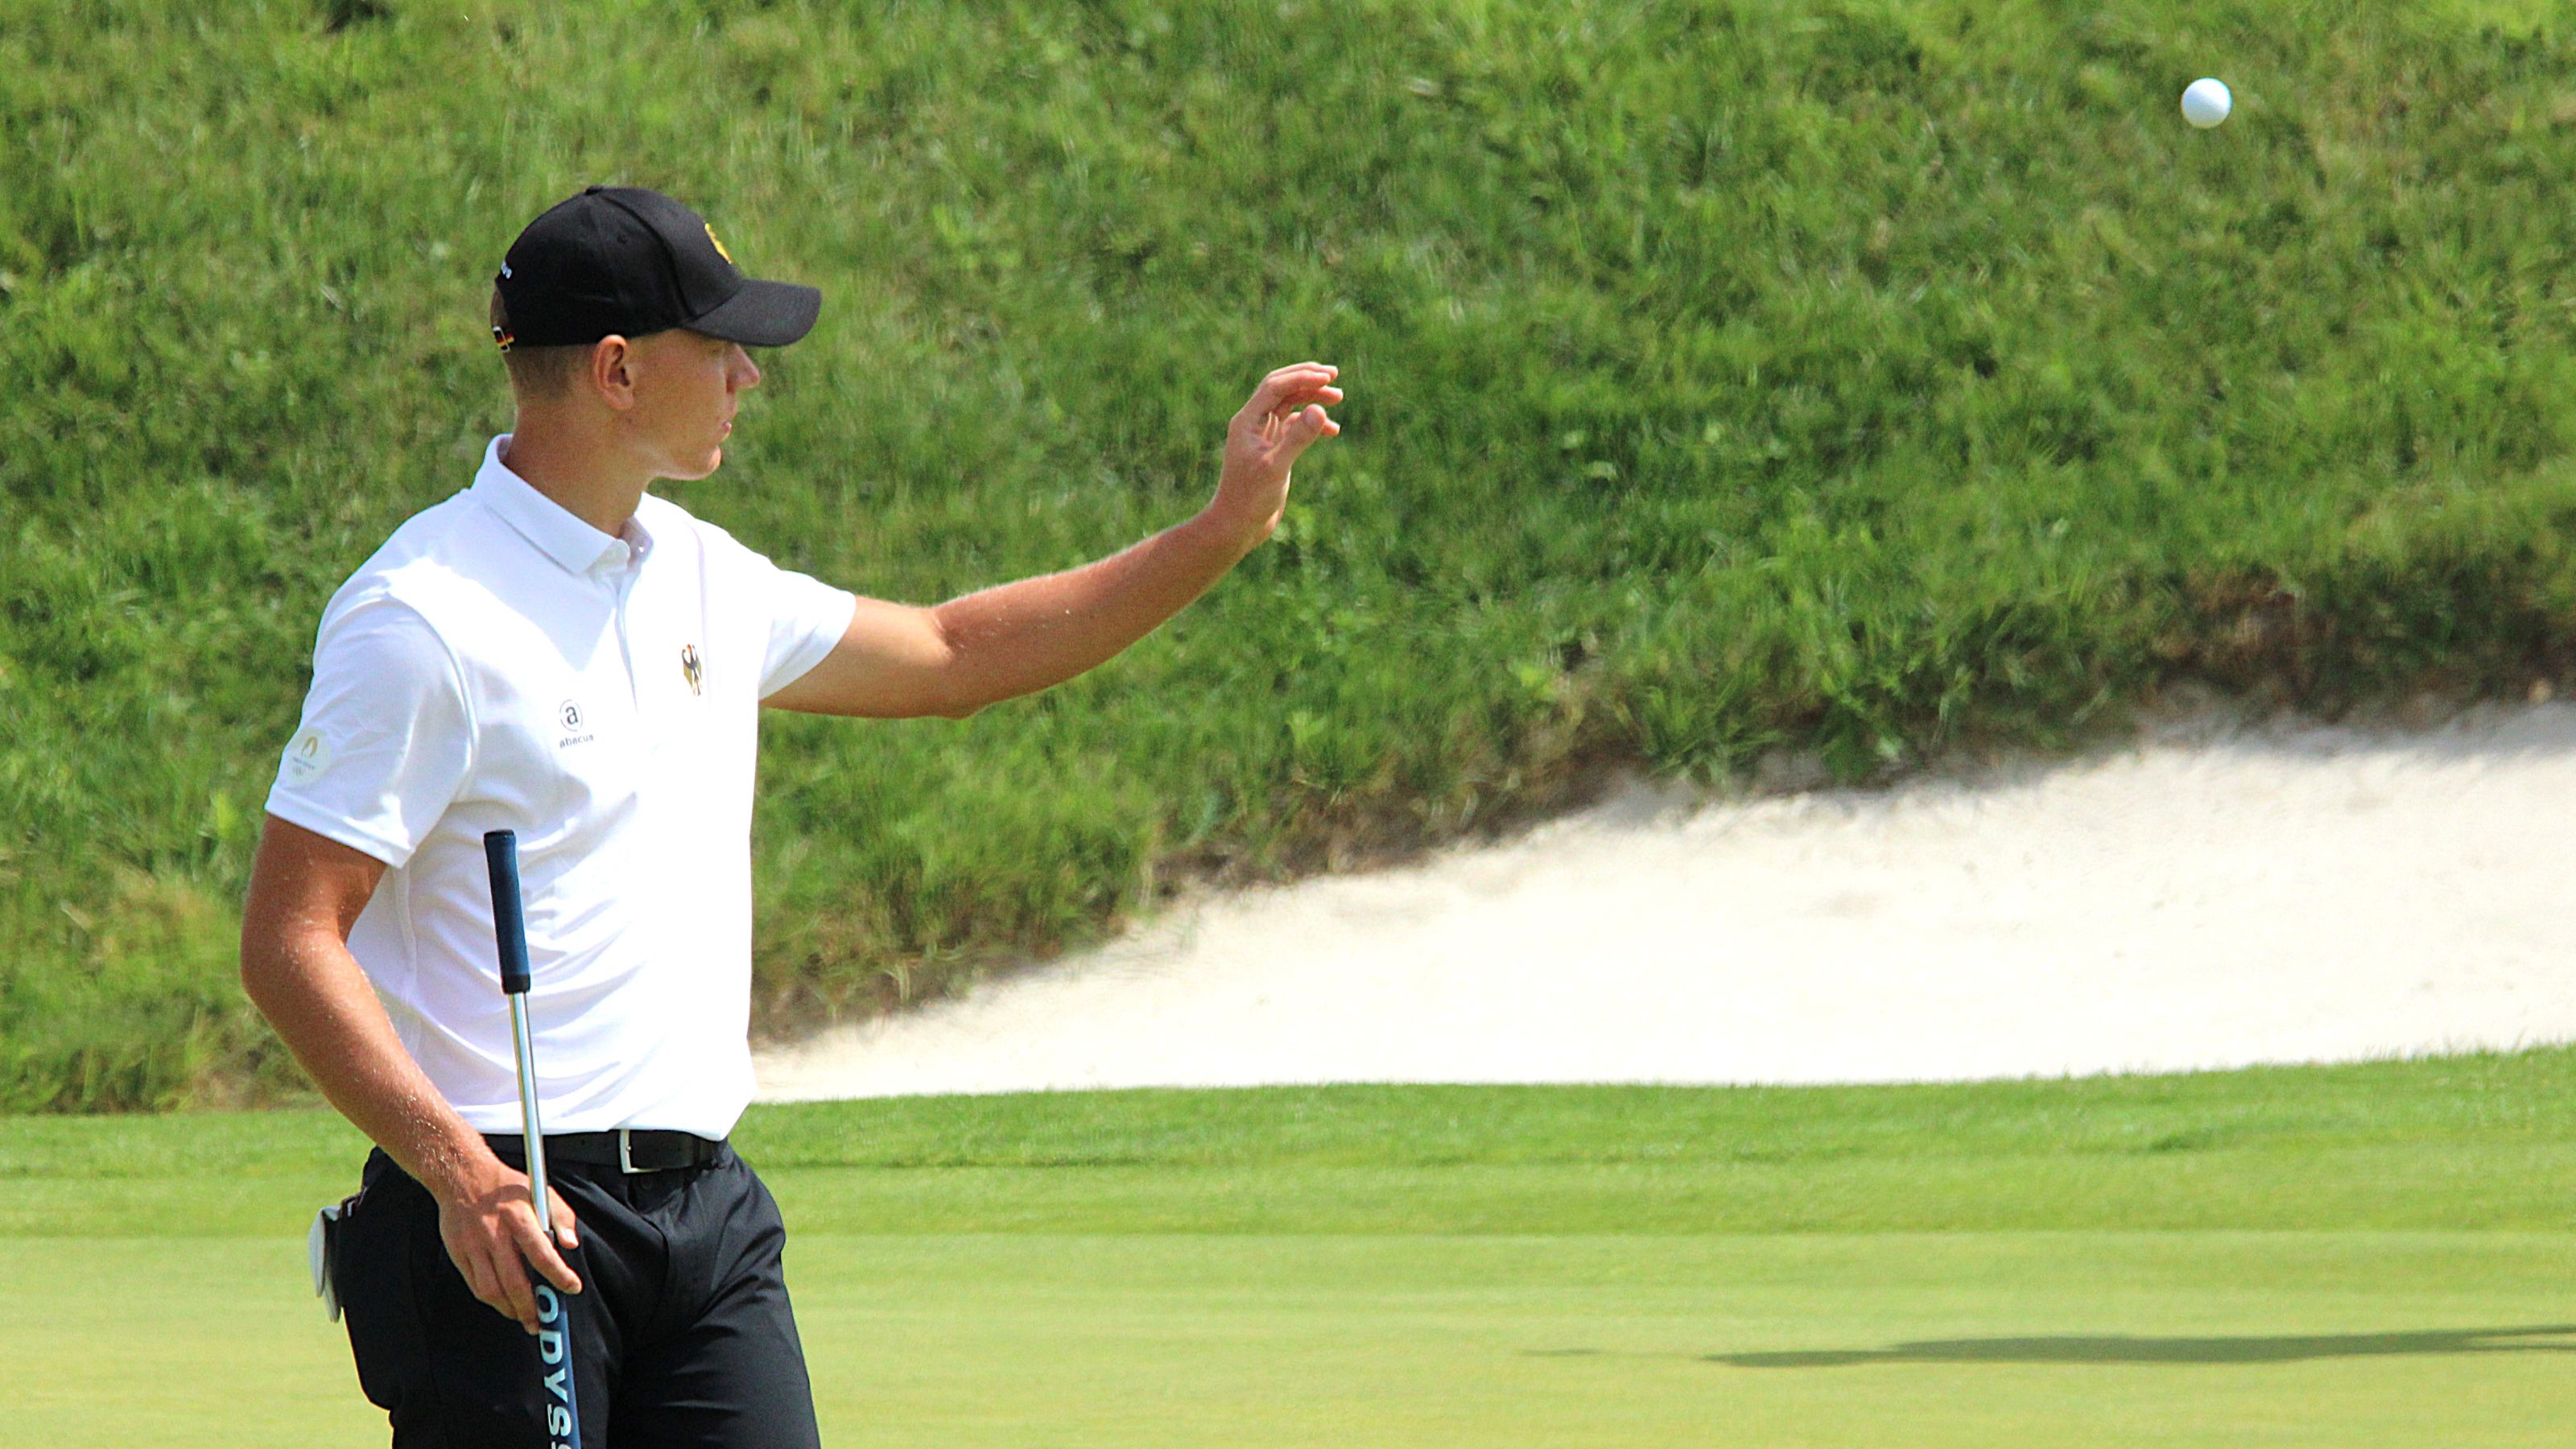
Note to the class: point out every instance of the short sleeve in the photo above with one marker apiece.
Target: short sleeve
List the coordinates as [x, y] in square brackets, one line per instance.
[386, 738]
[807, 619]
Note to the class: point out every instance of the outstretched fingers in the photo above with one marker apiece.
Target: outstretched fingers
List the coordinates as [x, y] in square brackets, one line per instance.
[1288, 388]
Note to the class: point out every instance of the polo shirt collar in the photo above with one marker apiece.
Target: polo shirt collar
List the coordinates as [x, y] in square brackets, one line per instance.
[555, 531]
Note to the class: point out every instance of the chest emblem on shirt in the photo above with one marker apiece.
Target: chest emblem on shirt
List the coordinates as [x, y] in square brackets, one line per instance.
[569, 715]
[691, 670]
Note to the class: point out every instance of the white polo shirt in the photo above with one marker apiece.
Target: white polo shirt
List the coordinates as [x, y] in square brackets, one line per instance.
[500, 664]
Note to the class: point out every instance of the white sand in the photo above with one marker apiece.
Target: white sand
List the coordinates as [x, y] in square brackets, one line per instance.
[2208, 898]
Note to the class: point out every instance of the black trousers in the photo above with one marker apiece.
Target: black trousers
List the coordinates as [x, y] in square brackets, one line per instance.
[681, 1336]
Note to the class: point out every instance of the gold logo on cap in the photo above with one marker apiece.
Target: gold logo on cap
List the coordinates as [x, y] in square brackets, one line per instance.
[720, 250]
[689, 669]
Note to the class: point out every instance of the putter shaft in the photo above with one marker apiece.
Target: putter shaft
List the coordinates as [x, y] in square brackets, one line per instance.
[534, 1134]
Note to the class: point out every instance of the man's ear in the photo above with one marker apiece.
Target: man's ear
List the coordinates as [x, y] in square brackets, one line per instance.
[612, 371]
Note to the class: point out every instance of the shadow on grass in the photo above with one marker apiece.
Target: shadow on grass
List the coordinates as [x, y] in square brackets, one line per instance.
[2121, 1349]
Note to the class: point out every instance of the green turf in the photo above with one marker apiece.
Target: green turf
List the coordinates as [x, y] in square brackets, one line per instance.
[2381, 1254]
[1599, 1339]
[1579, 1339]
[1726, 375]
[2439, 1143]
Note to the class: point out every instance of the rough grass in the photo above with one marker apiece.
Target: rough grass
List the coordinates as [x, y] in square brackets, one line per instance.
[1725, 378]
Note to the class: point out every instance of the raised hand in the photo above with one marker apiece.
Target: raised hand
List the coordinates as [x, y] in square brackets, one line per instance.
[1284, 418]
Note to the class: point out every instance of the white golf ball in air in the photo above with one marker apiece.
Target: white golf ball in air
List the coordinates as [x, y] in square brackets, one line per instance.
[2205, 102]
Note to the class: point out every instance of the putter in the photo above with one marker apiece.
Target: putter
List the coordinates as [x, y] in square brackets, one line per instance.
[554, 1321]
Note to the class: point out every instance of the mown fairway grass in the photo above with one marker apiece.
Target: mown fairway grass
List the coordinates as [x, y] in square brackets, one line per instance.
[2373, 1255]
[1845, 378]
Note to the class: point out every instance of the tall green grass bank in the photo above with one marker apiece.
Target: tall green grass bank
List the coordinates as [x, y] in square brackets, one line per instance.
[1723, 377]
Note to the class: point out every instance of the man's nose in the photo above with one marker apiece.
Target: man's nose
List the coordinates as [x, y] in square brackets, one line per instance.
[746, 373]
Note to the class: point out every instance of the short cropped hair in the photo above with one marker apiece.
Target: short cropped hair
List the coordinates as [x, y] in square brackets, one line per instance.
[538, 372]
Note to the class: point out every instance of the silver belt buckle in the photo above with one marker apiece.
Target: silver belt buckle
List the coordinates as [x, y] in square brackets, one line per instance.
[626, 1152]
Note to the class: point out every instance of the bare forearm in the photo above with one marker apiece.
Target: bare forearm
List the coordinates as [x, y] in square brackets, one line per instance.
[901, 661]
[1022, 637]
[316, 997]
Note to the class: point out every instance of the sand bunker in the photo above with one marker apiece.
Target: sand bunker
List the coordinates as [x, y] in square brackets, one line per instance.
[2209, 897]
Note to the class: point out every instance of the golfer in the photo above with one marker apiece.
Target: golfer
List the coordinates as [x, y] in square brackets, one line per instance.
[555, 651]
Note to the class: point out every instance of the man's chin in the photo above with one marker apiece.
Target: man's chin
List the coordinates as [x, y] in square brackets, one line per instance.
[713, 460]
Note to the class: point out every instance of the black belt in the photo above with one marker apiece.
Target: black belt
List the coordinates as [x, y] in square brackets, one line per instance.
[625, 1149]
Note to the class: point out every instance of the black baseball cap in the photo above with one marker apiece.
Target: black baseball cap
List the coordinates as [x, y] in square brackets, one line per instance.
[630, 261]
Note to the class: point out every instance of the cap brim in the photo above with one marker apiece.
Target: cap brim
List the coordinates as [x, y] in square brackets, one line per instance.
[762, 314]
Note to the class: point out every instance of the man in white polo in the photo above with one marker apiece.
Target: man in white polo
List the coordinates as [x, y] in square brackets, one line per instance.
[556, 652]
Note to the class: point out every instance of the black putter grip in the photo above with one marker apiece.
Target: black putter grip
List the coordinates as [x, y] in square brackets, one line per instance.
[509, 922]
